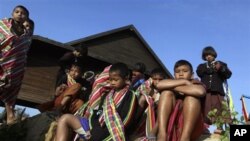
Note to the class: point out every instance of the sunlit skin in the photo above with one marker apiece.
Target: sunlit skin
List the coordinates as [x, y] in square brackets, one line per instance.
[19, 15]
[69, 121]
[116, 81]
[183, 86]
[183, 72]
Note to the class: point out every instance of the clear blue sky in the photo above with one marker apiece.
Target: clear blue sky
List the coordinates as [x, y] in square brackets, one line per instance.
[175, 29]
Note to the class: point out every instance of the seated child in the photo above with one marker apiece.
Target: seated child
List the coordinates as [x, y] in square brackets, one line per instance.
[78, 55]
[179, 110]
[67, 95]
[138, 76]
[148, 100]
[110, 110]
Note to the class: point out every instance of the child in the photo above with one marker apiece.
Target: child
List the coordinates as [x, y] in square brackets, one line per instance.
[148, 101]
[14, 46]
[137, 75]
[29, 25]
[179, 109]
[213, 73]
[67, 96]
[110, 109]
[78, 55]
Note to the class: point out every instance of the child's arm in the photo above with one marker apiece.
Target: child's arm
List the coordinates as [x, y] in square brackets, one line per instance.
[223, 70]
[196, 90]
[182, 86]
[170, 84]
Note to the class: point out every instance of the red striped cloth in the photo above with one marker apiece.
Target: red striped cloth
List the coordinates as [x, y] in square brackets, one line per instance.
[12, 60]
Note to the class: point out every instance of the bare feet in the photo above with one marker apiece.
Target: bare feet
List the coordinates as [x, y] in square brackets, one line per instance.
[11, 120]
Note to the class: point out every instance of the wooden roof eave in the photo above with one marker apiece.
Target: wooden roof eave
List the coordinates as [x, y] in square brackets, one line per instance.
[110, 32]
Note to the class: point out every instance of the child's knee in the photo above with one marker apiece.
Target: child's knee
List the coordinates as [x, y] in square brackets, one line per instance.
[64, 119]
[167, 93]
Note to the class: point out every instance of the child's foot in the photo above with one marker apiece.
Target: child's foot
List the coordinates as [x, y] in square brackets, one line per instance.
[11, 121]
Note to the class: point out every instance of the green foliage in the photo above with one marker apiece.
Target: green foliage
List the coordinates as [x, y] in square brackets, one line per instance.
[224, 120]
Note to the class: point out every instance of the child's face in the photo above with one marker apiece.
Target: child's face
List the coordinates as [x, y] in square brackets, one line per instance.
[183, 72]
[19, 15]
[136, 75]
[75, 72]
[156, 79]
[116, 81]
[209, 58]
[27, 26]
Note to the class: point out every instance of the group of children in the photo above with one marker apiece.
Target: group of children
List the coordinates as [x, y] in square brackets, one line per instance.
[124, 105]
[120, 104]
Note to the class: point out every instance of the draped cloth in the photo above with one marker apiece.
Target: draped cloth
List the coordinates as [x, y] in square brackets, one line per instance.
[72, 90]
[148, 120]
[108, 113]
[176, 122]
[12, 60]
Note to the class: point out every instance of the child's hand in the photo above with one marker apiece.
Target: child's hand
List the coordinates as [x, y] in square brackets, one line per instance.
[88, 135]
[60, 89]
[217, 65]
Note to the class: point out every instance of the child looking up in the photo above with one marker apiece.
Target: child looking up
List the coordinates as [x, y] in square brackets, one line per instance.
[111, 108]
[179, 109]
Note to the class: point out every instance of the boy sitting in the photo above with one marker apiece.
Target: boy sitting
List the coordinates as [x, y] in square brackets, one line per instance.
[179, 109]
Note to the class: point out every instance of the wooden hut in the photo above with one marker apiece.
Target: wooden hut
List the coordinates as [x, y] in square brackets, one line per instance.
[124, 44]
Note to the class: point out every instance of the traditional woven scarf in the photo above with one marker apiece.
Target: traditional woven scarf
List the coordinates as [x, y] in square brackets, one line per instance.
[144, 89]
[70, 80]
[5, 33]
[100, 87]
[112, 119]
[12, 59]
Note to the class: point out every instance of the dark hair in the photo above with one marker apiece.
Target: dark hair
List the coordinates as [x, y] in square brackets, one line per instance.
[24, 8]
[80, 66]
[140, 67]
[209, 50]
[158, 71]
[83, 50]
[183, 62]
[31, 22]
[121, 68]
